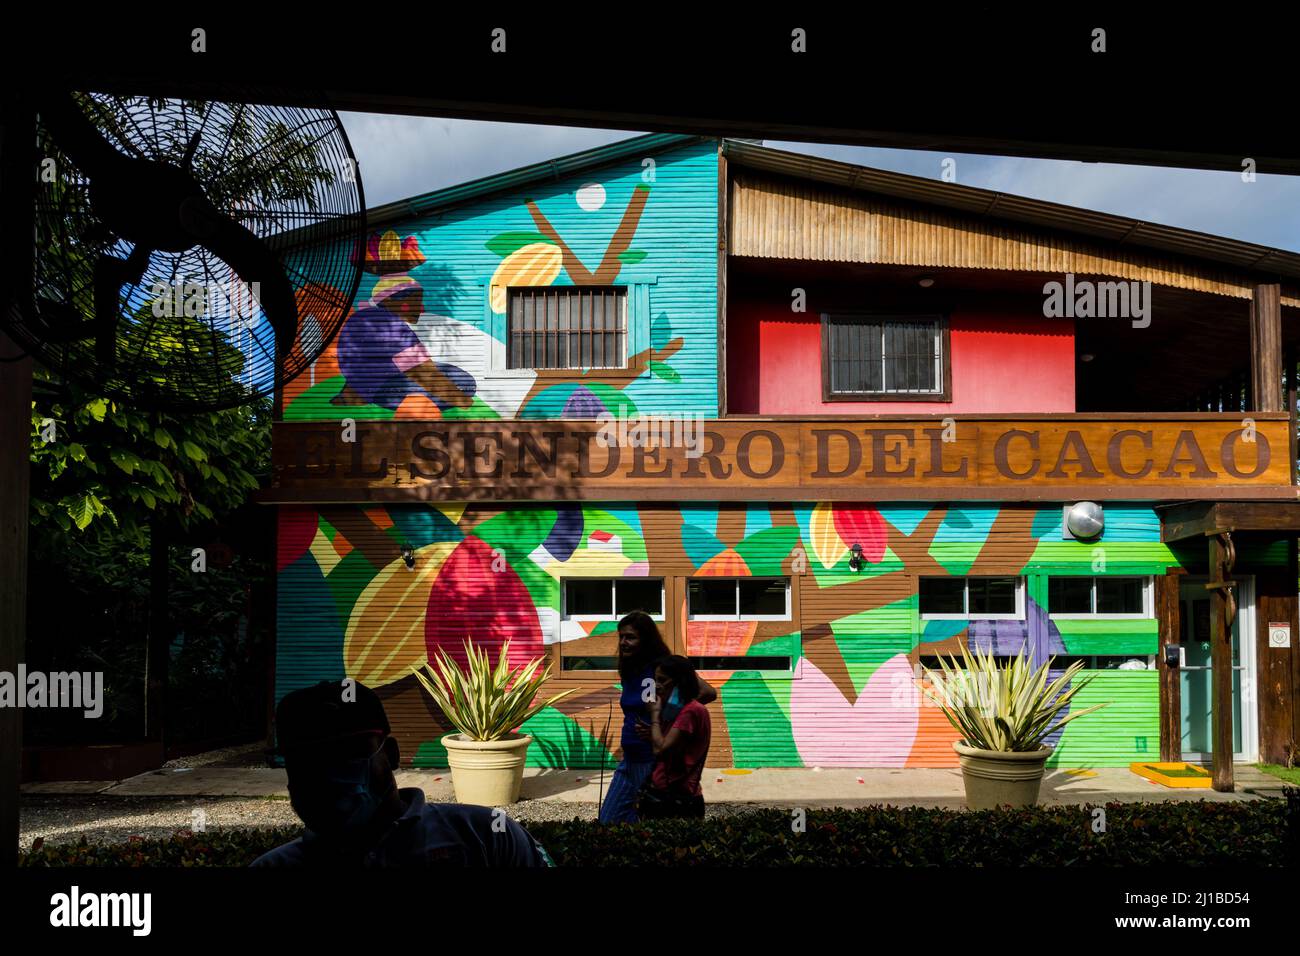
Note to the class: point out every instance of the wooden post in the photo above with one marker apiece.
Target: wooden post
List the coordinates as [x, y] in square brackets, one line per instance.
[1291, 406]
[1220, 666]
[159, 646]
[17, 203]
[1276, 601]
[1266, 347]
[15, 456]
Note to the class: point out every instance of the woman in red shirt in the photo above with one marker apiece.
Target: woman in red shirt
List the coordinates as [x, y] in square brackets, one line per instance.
[680, 749]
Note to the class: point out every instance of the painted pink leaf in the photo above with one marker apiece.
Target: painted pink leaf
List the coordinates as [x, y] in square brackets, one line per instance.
[864, 526]
[876, 730]
[479, 596]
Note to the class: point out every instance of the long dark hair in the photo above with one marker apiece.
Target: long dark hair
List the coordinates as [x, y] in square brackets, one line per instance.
[652, 644]
[682, 673]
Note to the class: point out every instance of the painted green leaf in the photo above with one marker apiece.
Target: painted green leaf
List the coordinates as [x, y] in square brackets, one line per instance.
[661, 330]
[632, 256]
[508, 242]
[664, 371]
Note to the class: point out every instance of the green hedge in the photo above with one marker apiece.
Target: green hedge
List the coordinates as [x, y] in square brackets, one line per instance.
[1153, 834]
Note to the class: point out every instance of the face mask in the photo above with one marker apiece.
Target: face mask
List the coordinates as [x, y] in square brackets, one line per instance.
[355, 801]
[344, 799]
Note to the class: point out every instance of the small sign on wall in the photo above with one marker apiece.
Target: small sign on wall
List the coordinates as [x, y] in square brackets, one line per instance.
[1279, 634]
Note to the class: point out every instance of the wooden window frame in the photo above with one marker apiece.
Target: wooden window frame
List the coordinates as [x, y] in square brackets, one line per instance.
[945, 344]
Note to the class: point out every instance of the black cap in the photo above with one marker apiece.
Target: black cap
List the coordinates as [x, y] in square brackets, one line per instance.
[328, 711]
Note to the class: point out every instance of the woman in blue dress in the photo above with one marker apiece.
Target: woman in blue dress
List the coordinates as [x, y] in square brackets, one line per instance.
[640, 648]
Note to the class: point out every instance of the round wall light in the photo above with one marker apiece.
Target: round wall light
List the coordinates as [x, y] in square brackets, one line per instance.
[1084, 520]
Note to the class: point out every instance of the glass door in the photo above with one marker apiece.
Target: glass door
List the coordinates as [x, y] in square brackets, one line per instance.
[1196, 674]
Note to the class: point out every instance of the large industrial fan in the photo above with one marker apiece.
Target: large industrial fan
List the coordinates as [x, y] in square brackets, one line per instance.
[188, 254]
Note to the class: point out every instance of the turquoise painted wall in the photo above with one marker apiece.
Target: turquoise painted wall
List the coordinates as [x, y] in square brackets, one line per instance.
[426, 338]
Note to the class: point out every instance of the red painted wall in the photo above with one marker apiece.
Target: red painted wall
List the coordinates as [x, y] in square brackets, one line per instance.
[1000, 363]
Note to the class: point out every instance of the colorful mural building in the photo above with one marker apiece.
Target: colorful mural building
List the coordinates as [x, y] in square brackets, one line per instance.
[824, 423]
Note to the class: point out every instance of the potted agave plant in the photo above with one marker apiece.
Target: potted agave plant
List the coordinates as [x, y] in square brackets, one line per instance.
[1003, 712]
[486, 704]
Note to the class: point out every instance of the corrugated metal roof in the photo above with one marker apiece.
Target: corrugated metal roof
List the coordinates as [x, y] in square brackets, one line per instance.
[512, 179]
[998, 205]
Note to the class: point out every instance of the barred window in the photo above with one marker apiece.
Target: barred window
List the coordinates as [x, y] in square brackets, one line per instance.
[577, 327]
[884, 356]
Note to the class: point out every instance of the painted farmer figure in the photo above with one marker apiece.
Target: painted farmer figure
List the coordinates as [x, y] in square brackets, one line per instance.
[340, 759]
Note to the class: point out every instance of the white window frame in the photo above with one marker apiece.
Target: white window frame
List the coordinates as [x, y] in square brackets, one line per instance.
[1019, 614]
[613, 599]
[626, 315]
[788, 615]
[1148, 600]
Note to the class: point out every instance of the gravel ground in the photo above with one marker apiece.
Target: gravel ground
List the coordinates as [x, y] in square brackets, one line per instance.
[101, 819]
[245, 755]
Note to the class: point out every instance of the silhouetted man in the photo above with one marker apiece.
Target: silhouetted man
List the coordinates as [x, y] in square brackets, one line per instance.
[340, 759]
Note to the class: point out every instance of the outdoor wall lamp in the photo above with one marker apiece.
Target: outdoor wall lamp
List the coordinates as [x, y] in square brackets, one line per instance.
[1084, 520]
[408, 556]
[855, 557]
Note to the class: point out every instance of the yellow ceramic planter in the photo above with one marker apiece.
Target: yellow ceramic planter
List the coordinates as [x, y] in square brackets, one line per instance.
[487, 772]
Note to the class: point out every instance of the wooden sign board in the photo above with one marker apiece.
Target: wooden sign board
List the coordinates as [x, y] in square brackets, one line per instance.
[1140, 458]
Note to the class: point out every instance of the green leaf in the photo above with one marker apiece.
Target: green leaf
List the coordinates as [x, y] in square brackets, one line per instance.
[508, 242]
[81, 512]
[77, 452]
[193, 451]
[123, 459]
[664, 371]
[632, 256]
[98, 408]
[162, 439]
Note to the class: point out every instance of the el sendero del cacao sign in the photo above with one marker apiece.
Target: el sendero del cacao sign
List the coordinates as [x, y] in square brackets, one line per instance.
[1148, 457]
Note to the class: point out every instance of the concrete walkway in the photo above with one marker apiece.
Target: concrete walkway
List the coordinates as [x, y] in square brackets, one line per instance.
[786, 787]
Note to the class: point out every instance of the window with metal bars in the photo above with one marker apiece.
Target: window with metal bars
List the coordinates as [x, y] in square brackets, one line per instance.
[884, 357]
[575, 327]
